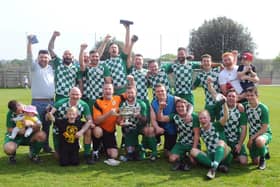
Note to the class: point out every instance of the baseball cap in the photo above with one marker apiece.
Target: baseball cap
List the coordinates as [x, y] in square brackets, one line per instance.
[247, 56]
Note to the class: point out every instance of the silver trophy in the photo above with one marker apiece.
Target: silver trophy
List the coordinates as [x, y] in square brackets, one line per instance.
[128, 112]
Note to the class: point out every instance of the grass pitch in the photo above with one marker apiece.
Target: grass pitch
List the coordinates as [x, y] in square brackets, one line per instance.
[142, 173]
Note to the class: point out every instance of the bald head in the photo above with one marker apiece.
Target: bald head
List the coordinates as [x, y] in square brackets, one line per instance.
[75, 93]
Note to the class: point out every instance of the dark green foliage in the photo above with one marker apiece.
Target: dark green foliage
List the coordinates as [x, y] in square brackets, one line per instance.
[218, 36]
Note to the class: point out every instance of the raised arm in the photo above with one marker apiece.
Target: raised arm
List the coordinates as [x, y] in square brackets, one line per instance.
[127, 38]
[129, 57]
[81, 57]
[29, 55]
[51, 43]
[211, 88]
[235, 56]
[160, 116]
[154, 122]
[103, 45]
[224, 119]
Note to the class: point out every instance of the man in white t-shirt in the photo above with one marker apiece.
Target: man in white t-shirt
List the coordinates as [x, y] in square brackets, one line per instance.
[228, 77]
[42, 86]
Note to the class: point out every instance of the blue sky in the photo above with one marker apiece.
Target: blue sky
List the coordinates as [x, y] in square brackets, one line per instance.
[89, 20]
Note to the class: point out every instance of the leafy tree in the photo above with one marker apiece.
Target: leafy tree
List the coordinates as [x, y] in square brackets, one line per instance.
[168, 57]
[218, 36]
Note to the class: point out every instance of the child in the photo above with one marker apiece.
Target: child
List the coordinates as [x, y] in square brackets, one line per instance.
[26, 122]
[70, 130]
[247, 72]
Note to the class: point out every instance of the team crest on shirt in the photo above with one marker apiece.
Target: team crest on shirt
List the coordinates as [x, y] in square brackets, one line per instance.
[114, 103]
[69, 134]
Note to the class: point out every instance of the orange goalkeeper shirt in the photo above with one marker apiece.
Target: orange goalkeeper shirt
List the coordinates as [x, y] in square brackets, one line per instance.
[102, 106]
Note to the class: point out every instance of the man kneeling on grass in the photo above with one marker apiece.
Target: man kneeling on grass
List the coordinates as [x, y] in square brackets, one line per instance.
[35, 140]
[260, 133]
[218, 152]
[188, 134]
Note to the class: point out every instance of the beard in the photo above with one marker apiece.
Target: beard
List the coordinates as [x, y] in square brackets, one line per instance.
[181, 59]
[67, 61]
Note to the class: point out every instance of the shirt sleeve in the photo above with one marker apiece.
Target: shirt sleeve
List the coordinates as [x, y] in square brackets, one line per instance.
[9, 122]
[218, 126]
[195, 64]
[144, 111]
[243, 119]
[195, 120]
[167, 67]
[86, 111]
[197, 81]
[56, 61]
[264, 114]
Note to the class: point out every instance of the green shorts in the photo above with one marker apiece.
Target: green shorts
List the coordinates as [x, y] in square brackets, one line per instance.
[19, 140]
[214, 111]
[188, 97]
[242, 151]
[254, 152]
[90, 103]
[131, 138]
[181, 149]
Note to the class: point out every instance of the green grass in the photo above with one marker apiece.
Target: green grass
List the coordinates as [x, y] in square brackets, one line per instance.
[143, 173]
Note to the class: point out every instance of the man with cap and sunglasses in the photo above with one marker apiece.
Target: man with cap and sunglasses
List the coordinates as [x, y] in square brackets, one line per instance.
[247, 72]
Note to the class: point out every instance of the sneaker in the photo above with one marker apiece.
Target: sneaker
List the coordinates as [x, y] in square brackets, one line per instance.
[12, 159]
[35, 159]
[112, 162]
[262, 164]
[153, 158]
[185, 167]
[223, 168]
[211, 173]
[89, 159]
[47, 149]
[129, 156]
[176, 166]
[123, 158]
[95, 156]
